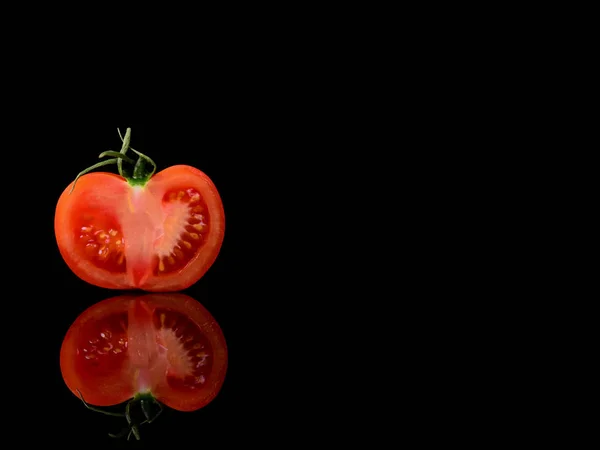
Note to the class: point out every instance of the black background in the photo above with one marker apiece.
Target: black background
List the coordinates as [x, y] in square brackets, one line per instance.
[289, 120]
[217, 291]
[328, 149]
[255, 289]
[283, 136]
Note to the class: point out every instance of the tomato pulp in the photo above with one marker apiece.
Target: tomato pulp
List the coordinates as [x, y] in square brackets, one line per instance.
[152, 232]
[167, 346]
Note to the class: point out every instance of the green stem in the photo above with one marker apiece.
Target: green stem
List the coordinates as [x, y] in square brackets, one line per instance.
[140, 175]
[141, 155]
[147, 409]
[124, 148]
[138, 170]
[128, 412]
[117, 155]
[145, 401]
[135, 431]
[119, 435]
[91, 408]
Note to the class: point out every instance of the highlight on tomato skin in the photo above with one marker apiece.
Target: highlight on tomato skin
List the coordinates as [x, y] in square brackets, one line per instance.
[158, 232]
[164, 347]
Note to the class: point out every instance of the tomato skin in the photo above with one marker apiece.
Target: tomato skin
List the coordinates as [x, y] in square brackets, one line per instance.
[136, 210]
[120, 382]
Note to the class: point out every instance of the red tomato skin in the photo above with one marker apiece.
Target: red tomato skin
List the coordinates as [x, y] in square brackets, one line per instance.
[112, 192]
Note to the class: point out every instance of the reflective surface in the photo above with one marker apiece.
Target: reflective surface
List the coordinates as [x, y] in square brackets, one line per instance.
[163, 348]
[48, 299]
[246, 290]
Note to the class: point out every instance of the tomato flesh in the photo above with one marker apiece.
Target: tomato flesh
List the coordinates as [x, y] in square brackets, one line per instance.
[185, 229]
[160, 237]
[189, 363]
[167, 345]
[103, 242]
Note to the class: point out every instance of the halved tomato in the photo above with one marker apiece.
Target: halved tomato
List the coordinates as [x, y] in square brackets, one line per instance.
[162, 346]
[157, 232]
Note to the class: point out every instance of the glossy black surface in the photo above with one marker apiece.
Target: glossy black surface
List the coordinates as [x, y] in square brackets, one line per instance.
[48, 297]
[276, 288]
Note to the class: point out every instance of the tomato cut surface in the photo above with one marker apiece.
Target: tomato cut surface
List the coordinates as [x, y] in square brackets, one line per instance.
[159, 237]
[166, 345]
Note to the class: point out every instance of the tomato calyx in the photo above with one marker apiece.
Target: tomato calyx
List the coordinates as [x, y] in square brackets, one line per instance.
[149, 406]
[138, 176]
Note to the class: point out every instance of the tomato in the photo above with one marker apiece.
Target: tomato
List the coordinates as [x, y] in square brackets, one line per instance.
[164, 346]
[139, 230]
